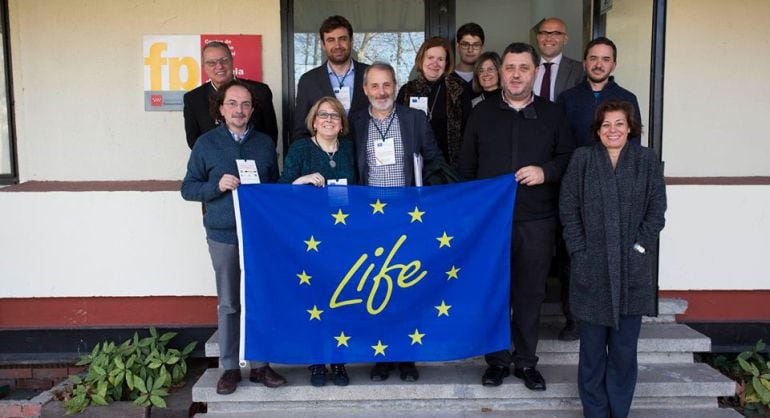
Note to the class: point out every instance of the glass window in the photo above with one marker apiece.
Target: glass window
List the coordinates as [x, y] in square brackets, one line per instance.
[7, 157]
[383, 30]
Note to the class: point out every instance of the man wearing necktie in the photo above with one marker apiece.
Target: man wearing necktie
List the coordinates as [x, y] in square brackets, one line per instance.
[556, 71]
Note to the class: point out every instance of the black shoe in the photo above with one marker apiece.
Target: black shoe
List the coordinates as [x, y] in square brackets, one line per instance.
[381, 371]
[569, 332]
[409, 371]
[317, 375]
[533, 380]
[494, 375]
[340, 375]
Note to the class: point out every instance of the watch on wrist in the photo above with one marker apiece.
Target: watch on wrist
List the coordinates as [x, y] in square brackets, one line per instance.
[638, 248]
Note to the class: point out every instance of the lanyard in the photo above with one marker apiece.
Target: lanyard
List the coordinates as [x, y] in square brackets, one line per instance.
[385, 135]
[342, 80]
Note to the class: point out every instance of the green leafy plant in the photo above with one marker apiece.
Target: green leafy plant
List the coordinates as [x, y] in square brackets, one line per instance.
[754, 379]
[142, 370]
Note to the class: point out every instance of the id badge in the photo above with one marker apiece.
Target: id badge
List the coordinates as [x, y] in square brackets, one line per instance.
[419, 103]
[247, 171]
[385, 152]
[343, 95]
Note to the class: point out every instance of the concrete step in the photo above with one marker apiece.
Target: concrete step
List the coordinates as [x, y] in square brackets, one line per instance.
[647, 412]
[458, 388]
[668, 308]
[658, 343]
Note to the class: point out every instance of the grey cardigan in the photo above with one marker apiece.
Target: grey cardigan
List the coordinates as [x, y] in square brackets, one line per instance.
[604, 213]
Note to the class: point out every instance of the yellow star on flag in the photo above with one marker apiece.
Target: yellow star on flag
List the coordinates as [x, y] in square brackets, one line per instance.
[452, 274]
[339, 217]
[312, 244]
[416, 215]
[379, 348]
[378, 207]
[304, 278]
[416, 337]
[443, 309]
[342, 339]
[444, 240]
[315, 313]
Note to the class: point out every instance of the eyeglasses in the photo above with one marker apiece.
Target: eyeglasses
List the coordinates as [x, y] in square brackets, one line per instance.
[553, 34]
[232, 104]
[489, 70]
[221, 61]
[328, 115]
[468, 45]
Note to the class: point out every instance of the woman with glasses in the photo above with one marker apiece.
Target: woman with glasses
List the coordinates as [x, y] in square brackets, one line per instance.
[443, 98]
[325, 158]
[486, 77]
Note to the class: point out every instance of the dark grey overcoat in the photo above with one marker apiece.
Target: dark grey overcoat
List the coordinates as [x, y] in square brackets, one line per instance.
[604, 212]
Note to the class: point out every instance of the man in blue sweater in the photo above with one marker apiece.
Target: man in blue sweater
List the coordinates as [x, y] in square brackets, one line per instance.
[581, 101]
[212, 175]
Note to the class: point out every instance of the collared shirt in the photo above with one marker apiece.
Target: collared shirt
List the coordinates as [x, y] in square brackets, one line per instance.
[240, 137]
[391, 175]
[541, 72]
[518, 108]
[345, 80]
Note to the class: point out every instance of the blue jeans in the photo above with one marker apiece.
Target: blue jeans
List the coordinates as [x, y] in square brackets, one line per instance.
[607, 367]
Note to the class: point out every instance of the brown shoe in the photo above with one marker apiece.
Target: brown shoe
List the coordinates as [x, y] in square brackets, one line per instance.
[267, 377]
[228, 382]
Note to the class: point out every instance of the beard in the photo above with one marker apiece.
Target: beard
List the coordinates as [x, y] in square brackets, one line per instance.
[383, 107]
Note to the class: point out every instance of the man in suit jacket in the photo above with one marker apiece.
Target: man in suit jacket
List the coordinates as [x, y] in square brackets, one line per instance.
[339, 76]
[560, 71]
[387, 136]
[218, 65]
[388, 127]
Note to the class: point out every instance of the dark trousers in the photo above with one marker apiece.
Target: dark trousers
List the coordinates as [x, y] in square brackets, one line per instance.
[563, 272]
[607, 367]
[531, 254]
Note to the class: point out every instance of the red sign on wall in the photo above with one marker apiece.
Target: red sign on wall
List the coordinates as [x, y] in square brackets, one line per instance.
[247, 55]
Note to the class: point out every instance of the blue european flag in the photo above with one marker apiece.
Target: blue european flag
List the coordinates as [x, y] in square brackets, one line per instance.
[361, 274]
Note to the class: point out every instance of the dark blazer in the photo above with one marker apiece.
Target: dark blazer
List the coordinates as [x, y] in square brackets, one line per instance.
[314, 85]
[198, 121]
[570, 74]
[604, 212]
[416, 135]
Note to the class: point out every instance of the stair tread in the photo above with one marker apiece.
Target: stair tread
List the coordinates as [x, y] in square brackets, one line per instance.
[462, 381]
[654, 337]
[553, 413]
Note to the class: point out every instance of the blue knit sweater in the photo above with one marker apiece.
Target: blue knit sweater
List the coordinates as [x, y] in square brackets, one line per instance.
[213, 156]
[580, 103]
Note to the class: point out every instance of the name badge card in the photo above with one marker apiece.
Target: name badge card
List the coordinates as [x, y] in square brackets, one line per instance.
[336, 182]
[343, 95]
[385, 152]
[247, 171]
[419, 103]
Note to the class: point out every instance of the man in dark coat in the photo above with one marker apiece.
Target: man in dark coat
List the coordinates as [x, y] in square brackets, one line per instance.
[339, 76]
[521, 133]
[218, 65]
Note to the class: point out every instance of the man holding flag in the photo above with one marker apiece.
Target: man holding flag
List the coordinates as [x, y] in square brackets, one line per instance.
[524, 134]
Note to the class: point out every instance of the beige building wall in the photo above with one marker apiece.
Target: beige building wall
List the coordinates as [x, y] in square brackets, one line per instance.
[629, 25]
[717, 92]
[78, 82]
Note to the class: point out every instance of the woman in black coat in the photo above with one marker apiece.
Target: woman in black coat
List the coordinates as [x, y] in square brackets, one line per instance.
[440, 95]
[612, 206]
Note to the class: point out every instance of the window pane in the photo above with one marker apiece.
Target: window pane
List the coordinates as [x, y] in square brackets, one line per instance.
[383, 30]
[5, 138]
